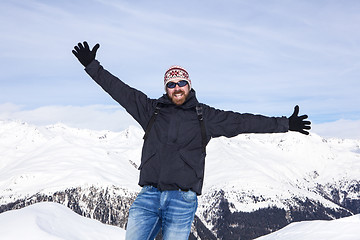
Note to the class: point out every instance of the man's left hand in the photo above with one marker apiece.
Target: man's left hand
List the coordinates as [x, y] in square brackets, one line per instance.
[297, 123]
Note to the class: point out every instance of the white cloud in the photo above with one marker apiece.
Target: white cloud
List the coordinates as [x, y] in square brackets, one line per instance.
[115, 118]
[340, 129]
[239, 53]
[96, 117]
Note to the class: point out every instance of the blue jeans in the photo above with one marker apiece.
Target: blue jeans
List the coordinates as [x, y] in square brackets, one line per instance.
[172, 211]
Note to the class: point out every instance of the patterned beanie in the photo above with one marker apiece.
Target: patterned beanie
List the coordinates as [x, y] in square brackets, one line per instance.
[176, 73]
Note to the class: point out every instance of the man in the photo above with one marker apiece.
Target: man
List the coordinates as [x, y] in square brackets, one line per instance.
[177, 130]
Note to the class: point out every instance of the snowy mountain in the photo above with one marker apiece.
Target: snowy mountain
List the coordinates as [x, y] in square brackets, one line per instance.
[341, 229]
[255, 184]
[52, 221]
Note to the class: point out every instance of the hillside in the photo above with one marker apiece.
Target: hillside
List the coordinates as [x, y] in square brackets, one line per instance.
[254, 183]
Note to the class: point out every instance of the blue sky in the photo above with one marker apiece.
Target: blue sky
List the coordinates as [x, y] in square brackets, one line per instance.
[248, 56]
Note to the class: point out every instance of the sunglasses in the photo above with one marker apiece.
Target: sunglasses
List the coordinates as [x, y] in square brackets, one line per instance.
[181, 83]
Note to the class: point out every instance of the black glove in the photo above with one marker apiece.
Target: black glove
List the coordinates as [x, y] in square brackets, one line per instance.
[83, 53]
[297, 123]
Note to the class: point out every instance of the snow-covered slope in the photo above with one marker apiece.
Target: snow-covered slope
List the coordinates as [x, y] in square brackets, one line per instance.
[36, 159]
[279, 166]
[341, 229]
[44, 158]
[52, 221]
[249, 172]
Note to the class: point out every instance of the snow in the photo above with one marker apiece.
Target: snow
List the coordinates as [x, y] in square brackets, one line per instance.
[272, 167]
[42, 159]
[52, 221]
[46, 159]
[340, 229]
[278, 166]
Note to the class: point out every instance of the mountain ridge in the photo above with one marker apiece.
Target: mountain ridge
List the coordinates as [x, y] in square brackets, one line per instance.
[288, 174]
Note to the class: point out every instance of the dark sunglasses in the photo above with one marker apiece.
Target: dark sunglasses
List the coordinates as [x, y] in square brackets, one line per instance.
[181, 83]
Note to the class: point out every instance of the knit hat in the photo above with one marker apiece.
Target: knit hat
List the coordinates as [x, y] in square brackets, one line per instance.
[176, 73]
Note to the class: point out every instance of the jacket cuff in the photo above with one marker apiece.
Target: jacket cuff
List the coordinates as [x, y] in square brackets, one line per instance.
[92, 67]
[283, 123]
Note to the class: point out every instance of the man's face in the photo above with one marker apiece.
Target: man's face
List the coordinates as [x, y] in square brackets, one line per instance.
[178, 94]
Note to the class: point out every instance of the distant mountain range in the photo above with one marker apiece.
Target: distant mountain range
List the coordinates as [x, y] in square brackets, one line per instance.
[255, 184]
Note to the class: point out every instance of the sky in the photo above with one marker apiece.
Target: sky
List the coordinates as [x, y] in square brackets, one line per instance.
[261, 57]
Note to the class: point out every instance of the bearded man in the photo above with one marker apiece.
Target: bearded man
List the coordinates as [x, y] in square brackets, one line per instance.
[177, 129]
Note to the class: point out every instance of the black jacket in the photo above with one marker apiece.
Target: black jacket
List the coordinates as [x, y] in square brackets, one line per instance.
[172, 155]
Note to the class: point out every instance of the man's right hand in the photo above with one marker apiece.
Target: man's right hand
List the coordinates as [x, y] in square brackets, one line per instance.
[83, 53]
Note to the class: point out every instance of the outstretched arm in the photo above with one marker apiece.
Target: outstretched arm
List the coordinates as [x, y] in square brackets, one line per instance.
[297, 123]
[134, 101]
[229, 123]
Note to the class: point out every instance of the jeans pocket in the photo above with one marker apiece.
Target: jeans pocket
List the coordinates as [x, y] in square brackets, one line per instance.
[189, 196]
[144, 189]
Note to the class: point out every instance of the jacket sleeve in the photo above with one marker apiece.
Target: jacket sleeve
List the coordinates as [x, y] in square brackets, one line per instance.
[136, 103]
[229, 124]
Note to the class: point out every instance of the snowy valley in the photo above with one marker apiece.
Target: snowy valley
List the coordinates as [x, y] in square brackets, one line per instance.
[255, 184]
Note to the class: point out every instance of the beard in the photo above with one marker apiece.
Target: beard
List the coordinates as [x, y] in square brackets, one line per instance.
[178, 97]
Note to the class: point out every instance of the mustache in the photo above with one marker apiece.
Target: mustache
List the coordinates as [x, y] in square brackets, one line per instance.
[178, 91]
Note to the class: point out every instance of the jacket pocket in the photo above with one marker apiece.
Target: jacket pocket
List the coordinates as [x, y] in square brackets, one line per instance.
[195, 160]
[146, 159]
[148, 153]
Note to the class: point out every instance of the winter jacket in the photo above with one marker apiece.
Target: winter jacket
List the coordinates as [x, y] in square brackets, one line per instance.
[172, 154]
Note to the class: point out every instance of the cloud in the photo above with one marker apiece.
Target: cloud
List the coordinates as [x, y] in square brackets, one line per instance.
[274, 53]
[96, 117]
[115, 118]
[340, 129]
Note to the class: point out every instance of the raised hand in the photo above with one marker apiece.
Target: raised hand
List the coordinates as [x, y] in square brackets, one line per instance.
[297, 123]
[83, 53]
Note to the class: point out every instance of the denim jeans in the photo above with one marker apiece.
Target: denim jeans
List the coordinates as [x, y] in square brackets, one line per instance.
[171, 211]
